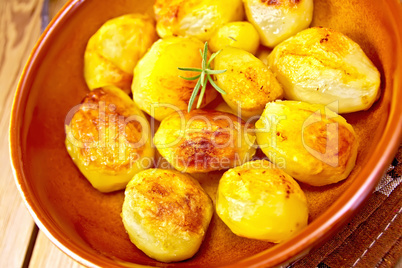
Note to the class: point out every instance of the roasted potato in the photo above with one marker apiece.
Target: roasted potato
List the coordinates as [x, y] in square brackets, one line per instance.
[320, 65]
[166, 214]
[308, 141]
[247, 81]
[224, 107]
[157, 87]
[109, 139]
[259, 201]
[114, 50]
[199, 19]
[203, 141]
[280, 19]
[239, 34]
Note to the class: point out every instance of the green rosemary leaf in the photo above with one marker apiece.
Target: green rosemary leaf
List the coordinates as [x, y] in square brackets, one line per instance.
[208, 71]
[195, 93]
[203, 78]
[190, 78]
[201, 95]
[215, 85]
[213, 56]
[190, 69]
[205, 56]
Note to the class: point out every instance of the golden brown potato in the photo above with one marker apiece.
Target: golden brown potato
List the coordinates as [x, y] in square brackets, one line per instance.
[109, 139]
[248, 82]
[157, 87]
[203, 141]
[259, 201]
[320, 65]
[238, 34]
[199, 18]
[114, 50]
[277, 20]
[166, 214]
[225, 108]
[308, 141]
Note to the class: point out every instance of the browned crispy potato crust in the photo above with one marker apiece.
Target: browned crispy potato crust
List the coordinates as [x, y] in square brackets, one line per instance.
[105, 140]
[87, 124]
[114, 50]
[166, 214]
[308, 141]
[197, 18]
[320, 65]
[203, 141]
[249, 84]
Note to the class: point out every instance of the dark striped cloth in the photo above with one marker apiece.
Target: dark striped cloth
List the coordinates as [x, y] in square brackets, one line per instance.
[374, 237]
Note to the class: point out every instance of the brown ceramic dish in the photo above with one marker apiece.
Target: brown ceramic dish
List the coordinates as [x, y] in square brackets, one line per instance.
[86, 224]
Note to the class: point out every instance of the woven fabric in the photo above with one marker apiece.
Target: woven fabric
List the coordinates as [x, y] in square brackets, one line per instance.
[373, 238]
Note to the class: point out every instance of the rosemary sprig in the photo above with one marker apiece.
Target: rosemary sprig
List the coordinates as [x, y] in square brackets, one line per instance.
[203, 78]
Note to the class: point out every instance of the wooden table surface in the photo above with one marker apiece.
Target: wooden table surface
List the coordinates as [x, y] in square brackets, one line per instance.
[21, 243]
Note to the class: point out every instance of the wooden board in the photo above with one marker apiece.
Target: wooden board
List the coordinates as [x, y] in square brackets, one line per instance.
[19, 30]
[45, 253]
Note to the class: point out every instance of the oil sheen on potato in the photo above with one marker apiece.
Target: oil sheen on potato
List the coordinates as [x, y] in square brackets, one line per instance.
[157, 88]
[277, 20]
[197, 18]
[114, 50]
[320, 65]
[107, 138]
[249, 84]
[259, 201]
[238, 34]
[166, 214]
[204, 141]
[308, 141]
